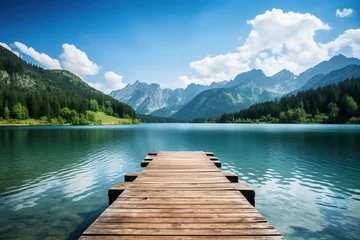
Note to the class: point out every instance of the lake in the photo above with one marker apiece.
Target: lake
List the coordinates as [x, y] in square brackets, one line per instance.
[54, 180]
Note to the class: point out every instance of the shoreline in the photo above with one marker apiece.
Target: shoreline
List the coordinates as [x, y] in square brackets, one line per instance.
[67, 124]
[37, 124]
[110, 123]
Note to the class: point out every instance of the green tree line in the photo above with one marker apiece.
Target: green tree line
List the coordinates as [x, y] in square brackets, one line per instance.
[335, 103]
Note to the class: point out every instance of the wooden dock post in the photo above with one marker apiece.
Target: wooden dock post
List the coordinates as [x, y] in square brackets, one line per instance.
[181, 196]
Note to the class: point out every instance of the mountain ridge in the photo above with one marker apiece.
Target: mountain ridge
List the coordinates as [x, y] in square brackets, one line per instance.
[333, 77]
[167, 102]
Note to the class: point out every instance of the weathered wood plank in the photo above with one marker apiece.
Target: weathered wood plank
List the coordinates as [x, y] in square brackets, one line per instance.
[243, 225]
[186, 232]
[182, 162]
[174, 153]
[177, 176]
[202, 157]
[181, 180]
[163, 185]
[180, 194]
[173, 200]
[175, 173]
[179, 167]
[180, 215]
[184, 170]
[114, 219]
[182, 237]
[131, 176]
[123, 205]
[181, 210]
[209, 153]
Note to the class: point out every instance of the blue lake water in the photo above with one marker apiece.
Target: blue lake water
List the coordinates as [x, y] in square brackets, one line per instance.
[54, 180]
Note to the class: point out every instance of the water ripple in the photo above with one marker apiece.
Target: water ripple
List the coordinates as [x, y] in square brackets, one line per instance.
[306, 177]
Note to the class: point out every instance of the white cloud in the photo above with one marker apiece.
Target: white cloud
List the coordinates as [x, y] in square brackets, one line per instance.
[99, 86]
[350, 38]
[221, 67]
[9, 48]
[215, 69]
[42, 58]
[77, 61]
[277, 40]
[185, 80]
[112, 82]
[263, 55]
[279, 31]
[344, 13]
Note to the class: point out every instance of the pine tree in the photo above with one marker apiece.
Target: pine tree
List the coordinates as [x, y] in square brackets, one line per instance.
[56, 107]
[7, 112]
[333, 111]
[33, 107]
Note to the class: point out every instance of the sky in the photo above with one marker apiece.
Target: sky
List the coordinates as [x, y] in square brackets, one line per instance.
[174, 43]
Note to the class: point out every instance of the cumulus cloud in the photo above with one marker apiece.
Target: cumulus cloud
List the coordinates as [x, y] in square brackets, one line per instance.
[278, 31]
[98, 85]
[350, 38]
[215, 69]
[112, 82]
[221, 67]
[185, 80]
[344, 13]
[276, 41]
[77, 61]
[9, 48]
[41, 58]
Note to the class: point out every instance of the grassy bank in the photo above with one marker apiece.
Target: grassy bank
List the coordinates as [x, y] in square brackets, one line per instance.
[106, 119]
[100, 119]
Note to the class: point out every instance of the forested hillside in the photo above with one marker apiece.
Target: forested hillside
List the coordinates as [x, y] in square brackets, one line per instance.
[28, 91]
[329, 104]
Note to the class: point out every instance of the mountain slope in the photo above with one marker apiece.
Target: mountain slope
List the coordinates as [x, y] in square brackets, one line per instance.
[44, 92]
[214, 102]
[325, 67]
[283, 81]
[336, 76]
[246, 89]
[254, 75]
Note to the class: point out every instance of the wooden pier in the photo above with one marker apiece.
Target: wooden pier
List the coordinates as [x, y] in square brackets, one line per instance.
[181, 196]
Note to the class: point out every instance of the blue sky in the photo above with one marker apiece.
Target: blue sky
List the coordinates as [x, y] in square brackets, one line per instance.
[174, 43]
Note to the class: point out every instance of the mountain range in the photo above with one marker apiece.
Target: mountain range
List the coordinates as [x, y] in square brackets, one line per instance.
[210, 101]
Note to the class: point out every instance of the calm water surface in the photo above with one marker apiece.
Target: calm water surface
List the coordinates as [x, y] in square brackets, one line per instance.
[54, 180]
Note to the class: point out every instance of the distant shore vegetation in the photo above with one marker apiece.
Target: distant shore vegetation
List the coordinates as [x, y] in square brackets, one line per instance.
[20, 116]
[329, 104]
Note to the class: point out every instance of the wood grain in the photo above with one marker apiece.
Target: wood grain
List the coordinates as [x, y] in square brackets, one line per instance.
[181, 196]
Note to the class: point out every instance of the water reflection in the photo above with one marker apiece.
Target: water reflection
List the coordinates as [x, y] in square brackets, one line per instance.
[54, 181]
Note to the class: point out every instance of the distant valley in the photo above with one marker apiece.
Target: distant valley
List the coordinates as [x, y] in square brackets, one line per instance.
[200, 101]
